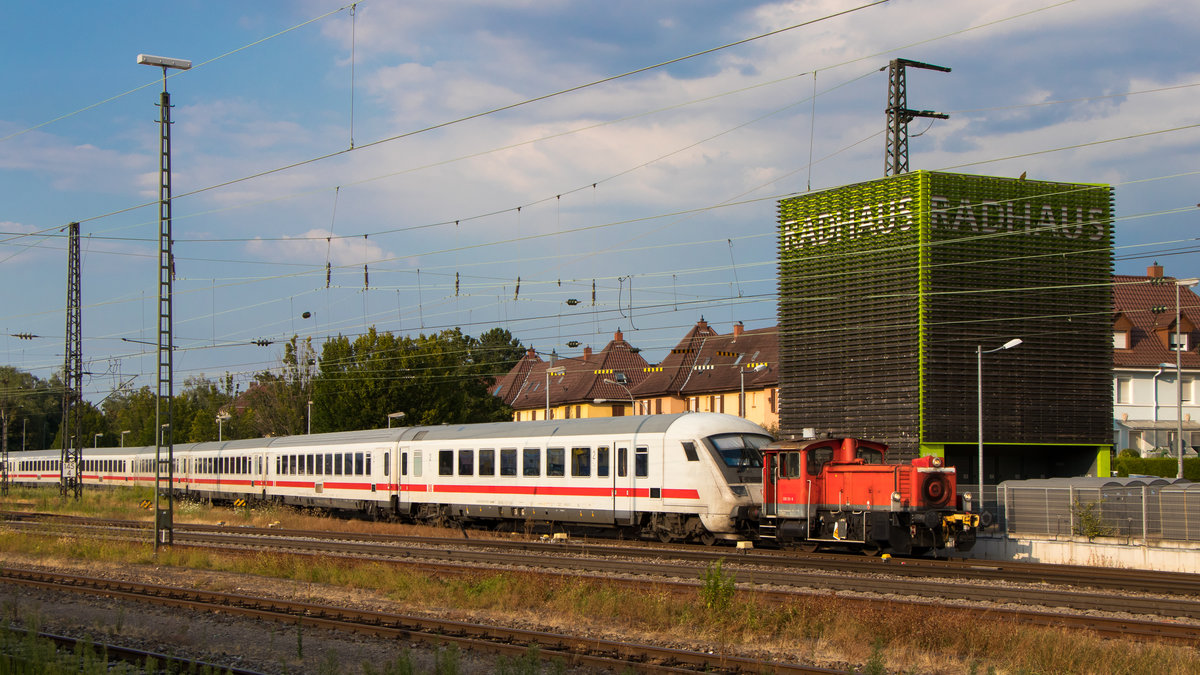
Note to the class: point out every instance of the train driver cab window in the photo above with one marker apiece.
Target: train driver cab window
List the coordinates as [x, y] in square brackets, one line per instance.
[445, 462]
[556, 460]
[581, 462]
[508, 461]
[817, 458]
[466, 462]
[792, 465]
[487, 462]
[602, 461]
[869, 455]
[689, 451]
[641, 462]
[532, 462]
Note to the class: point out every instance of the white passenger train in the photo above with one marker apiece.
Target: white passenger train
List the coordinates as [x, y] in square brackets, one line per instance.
[691, 476]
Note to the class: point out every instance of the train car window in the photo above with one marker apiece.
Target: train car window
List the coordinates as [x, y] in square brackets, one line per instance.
[689, 451]
[404, 464]
[320, 467]
[602, 461]
[641, 462]
[328, 463]
[417, 464]
[556, 460]
[445, 462]
[508, 461]
[466, 462]
[487, 462]
[581, 462]
[258, 464]
[869, 455]
[532, 462]
[368, 465]
[337, 464]
[358, 464]
[622, 462]
[818, 457]
[387, 464]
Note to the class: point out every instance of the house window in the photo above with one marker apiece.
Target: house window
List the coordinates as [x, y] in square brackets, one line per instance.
[1120, 339]
[1185, 387]
[1124, 390]
[1183, 340]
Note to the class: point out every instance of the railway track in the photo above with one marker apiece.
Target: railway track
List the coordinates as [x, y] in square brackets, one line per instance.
[500, 640]
[772, 577]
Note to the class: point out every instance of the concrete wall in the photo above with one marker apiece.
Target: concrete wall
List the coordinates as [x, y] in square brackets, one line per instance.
[1101, 552]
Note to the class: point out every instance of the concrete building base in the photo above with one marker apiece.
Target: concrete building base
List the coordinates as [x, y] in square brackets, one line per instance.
[1164, 556]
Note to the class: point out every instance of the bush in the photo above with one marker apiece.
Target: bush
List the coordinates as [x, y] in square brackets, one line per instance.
[1156, 466]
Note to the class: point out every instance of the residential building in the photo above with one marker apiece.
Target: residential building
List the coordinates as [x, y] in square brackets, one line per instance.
[1146, 386]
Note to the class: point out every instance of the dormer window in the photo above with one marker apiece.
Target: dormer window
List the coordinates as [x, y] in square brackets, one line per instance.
[1183, 340]
[1122, 332]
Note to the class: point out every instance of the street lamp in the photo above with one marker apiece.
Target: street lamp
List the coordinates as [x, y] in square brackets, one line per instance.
[1188, 283]
[979, 352]
[556, 370]
[632, 405]
[96, 440]
[221, 417]
[123, 437]
[757, 368]
[310, 418]
[394, 416]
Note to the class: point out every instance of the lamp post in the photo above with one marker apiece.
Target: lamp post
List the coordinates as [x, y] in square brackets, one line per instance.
[164, 528]
[632, 405]
[756, 368]
[96, 440]
[123, 437]
[393, 416]
[309, 418]
[1188, 283]
[979, 352]
[221, 417]
[556, 370]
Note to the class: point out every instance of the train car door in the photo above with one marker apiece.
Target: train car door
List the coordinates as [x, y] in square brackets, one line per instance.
[403, 464]
[623, 491]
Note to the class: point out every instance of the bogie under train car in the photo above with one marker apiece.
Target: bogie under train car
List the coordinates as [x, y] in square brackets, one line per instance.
[693, 476]
[840, 492]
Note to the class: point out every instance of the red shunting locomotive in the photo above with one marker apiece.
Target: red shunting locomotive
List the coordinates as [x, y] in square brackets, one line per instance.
[840, 491]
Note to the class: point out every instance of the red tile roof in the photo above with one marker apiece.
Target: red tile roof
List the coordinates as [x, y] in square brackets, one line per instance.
[705, 362]
[1147, 303]
[582, 379]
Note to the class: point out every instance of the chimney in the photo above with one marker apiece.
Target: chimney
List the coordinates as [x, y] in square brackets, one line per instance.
[1155, 270]
[587, 353]
[738, 329]
[701, 324]
[531, 352]
[618, 336]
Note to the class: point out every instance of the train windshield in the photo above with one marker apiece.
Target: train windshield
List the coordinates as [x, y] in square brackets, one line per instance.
[740, 454]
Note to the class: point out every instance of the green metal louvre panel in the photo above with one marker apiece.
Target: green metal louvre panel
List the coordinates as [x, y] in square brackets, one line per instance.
[848, 311]
[1018, 259]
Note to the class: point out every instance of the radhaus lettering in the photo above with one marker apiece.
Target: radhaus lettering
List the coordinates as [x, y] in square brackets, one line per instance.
[987, 217]
[869, 220]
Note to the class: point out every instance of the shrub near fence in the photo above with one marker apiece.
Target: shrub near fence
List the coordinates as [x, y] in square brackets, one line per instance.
[1157, 466]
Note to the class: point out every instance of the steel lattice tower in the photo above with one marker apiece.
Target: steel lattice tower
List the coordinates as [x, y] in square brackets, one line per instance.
[899, 115]
[72, 420]
[164, 469]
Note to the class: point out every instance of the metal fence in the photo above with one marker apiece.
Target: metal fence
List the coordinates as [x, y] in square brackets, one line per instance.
[1142, 508]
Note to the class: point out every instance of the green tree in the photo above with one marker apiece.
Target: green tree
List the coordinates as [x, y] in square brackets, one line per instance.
[276, 403]
[32, 406]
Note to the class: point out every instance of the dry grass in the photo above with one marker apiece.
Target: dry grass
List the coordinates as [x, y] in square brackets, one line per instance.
[822, 629]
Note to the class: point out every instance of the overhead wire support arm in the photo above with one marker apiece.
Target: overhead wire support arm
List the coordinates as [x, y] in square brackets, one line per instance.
[899, 114]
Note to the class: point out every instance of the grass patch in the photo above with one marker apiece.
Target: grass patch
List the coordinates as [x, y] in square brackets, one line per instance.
[822, 628]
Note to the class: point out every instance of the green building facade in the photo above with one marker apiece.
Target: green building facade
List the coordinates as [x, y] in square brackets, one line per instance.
[888, 289]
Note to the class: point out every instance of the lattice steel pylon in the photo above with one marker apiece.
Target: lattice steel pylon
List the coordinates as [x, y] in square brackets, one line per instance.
[899, 115]
[164, 466]
[71, 464]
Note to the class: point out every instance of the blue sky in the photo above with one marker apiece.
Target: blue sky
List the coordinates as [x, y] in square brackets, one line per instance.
[658, 188]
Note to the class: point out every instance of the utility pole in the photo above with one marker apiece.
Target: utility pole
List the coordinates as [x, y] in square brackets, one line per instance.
[72, 419]
[899, 114]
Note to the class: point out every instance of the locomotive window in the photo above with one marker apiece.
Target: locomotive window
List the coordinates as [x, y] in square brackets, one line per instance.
[602, 461]
[740, 451]
[817, 458]
[870, 455]
[581, 461]
[793, 465]
[622, 462]
[487, 462]
[508, 461]
[641, 462]
[689, 451]
[466, 462]
[445, 462]
[532, 462]
[556, 459]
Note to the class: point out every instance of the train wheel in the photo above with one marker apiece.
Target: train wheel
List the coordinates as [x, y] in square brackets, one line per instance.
[871, 550]
[708, 539]
[808, 546]
[664, 536]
